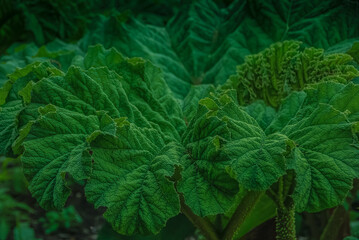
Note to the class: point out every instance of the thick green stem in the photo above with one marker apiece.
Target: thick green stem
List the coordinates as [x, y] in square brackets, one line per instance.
[206, 228]
[242, 212]
[285, 221]
[336, 221]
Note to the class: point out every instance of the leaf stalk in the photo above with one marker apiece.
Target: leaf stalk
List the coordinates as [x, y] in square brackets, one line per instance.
[206, 227]
[243, 210]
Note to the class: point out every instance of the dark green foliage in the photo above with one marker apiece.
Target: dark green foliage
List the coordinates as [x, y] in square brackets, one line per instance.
[209, 108]
[55, 220]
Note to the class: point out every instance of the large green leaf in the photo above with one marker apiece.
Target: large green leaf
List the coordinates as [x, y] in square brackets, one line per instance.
[325, 158]
[160, 107]
[223, 138]
[130, 177]
[57, 52]
[26, 64]
[342, 97]
[11, 99]
[144, 86]
[55, 146]
[316, 23]
[206, 186]
[114, 101]
[321, 122]
[204, 42]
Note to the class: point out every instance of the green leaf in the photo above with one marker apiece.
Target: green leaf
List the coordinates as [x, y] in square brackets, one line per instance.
[8, 114]
[144, 86]
[207, 188]
[60, 54]
[258, 160]
[293, 105]
[128, 99]
[190, 103]
[291, 20]
[342, 97]
[11, 101]
[350, 46]
[16, 57]
[319, 121]
[24, 232]
[354, 51]
[262, 113]
[55, 146]
[204, 41]
[17, 89]
[99, 88]
[324, 159]
[223, 138]
[130, 177]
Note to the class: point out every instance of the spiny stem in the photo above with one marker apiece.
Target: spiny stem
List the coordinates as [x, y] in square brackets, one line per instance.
[285, 221]
[242, 212]
[206, 228]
